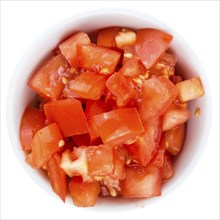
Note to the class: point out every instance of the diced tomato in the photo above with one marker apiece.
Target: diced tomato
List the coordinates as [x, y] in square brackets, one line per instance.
[84, 194]
[98, 59]
[69, 47]
[118, 126]
[94, 108]
[106, 37]
[173, 139]
[175, 115]
[158, 158]
[124, 38]
[100, 161]
[32, 120]
[129, 53]
[44, 144]
[69, 116]
[168, 169]
[151, 44]
[156, 96]
[141, 182]
[176, 79]
[165, 66]
[121, 88]
[132, 68]
[57, 176]
[146, 144]
[47, 81]
[190, 89]
[75, 163]
[89, 85]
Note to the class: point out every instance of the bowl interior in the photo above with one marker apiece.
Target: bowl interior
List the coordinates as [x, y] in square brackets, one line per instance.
[188, 65]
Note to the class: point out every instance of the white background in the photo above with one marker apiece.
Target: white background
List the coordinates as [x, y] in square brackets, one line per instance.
[197, 22]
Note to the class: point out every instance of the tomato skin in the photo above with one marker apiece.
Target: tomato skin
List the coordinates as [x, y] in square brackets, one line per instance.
[151, 102]
[89, 85]
[106, 37]
[57, 176]
[98, 59]
[174, 116]
[47, 81]
[118, 126]
[100, 160]
[121, 88]
[173, 139]
[141, 182]
[44, 144]
[146, 144]
[32, 120]
[69, 116]
[69, 47]
[151, 44]
[84, 194]
[168, 169]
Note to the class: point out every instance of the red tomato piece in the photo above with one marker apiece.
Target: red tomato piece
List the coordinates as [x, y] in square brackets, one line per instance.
[122, 88]
[173, 139]
[176, 79]
[69, 116]
[141, 182]
[94, 108]
[32, 120]
[158, 158]
[47, 81]
[151, 44]
[100, 161]
[44, 144]
[82, 139]
[146, 144]
[132, 68]
[84, 194]
[156, 96]
[69, 47]
[106, 37]
[98, 59]
[89, 85]
[168, 169]
[57, 176]
[175, 115]
[129, 53]
[118, 126]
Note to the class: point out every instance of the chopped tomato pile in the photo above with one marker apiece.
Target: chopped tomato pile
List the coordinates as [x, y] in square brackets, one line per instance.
[110, 116]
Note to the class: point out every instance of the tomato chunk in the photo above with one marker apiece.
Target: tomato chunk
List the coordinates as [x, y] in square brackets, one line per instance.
[121, 88]
[141, 182]
[168, 169]
[100, 161]
[106, 37]
[146, 144]
[156, 96]
[118, 126]
[89, 85]
[94, 108]
[47, 81]
[84, 194]
[69, 47]
[173, 139]
[175, 115]
[69, 116]
[190, 89]
[98, 59]
[44, 144]
[32, 120]
[57, 176]
[151, 44]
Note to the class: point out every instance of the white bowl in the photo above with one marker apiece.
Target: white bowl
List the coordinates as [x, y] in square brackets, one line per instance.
[189, 65]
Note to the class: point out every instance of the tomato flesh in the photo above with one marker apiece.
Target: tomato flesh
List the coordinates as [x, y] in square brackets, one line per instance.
[32, 120]
[69, 116]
